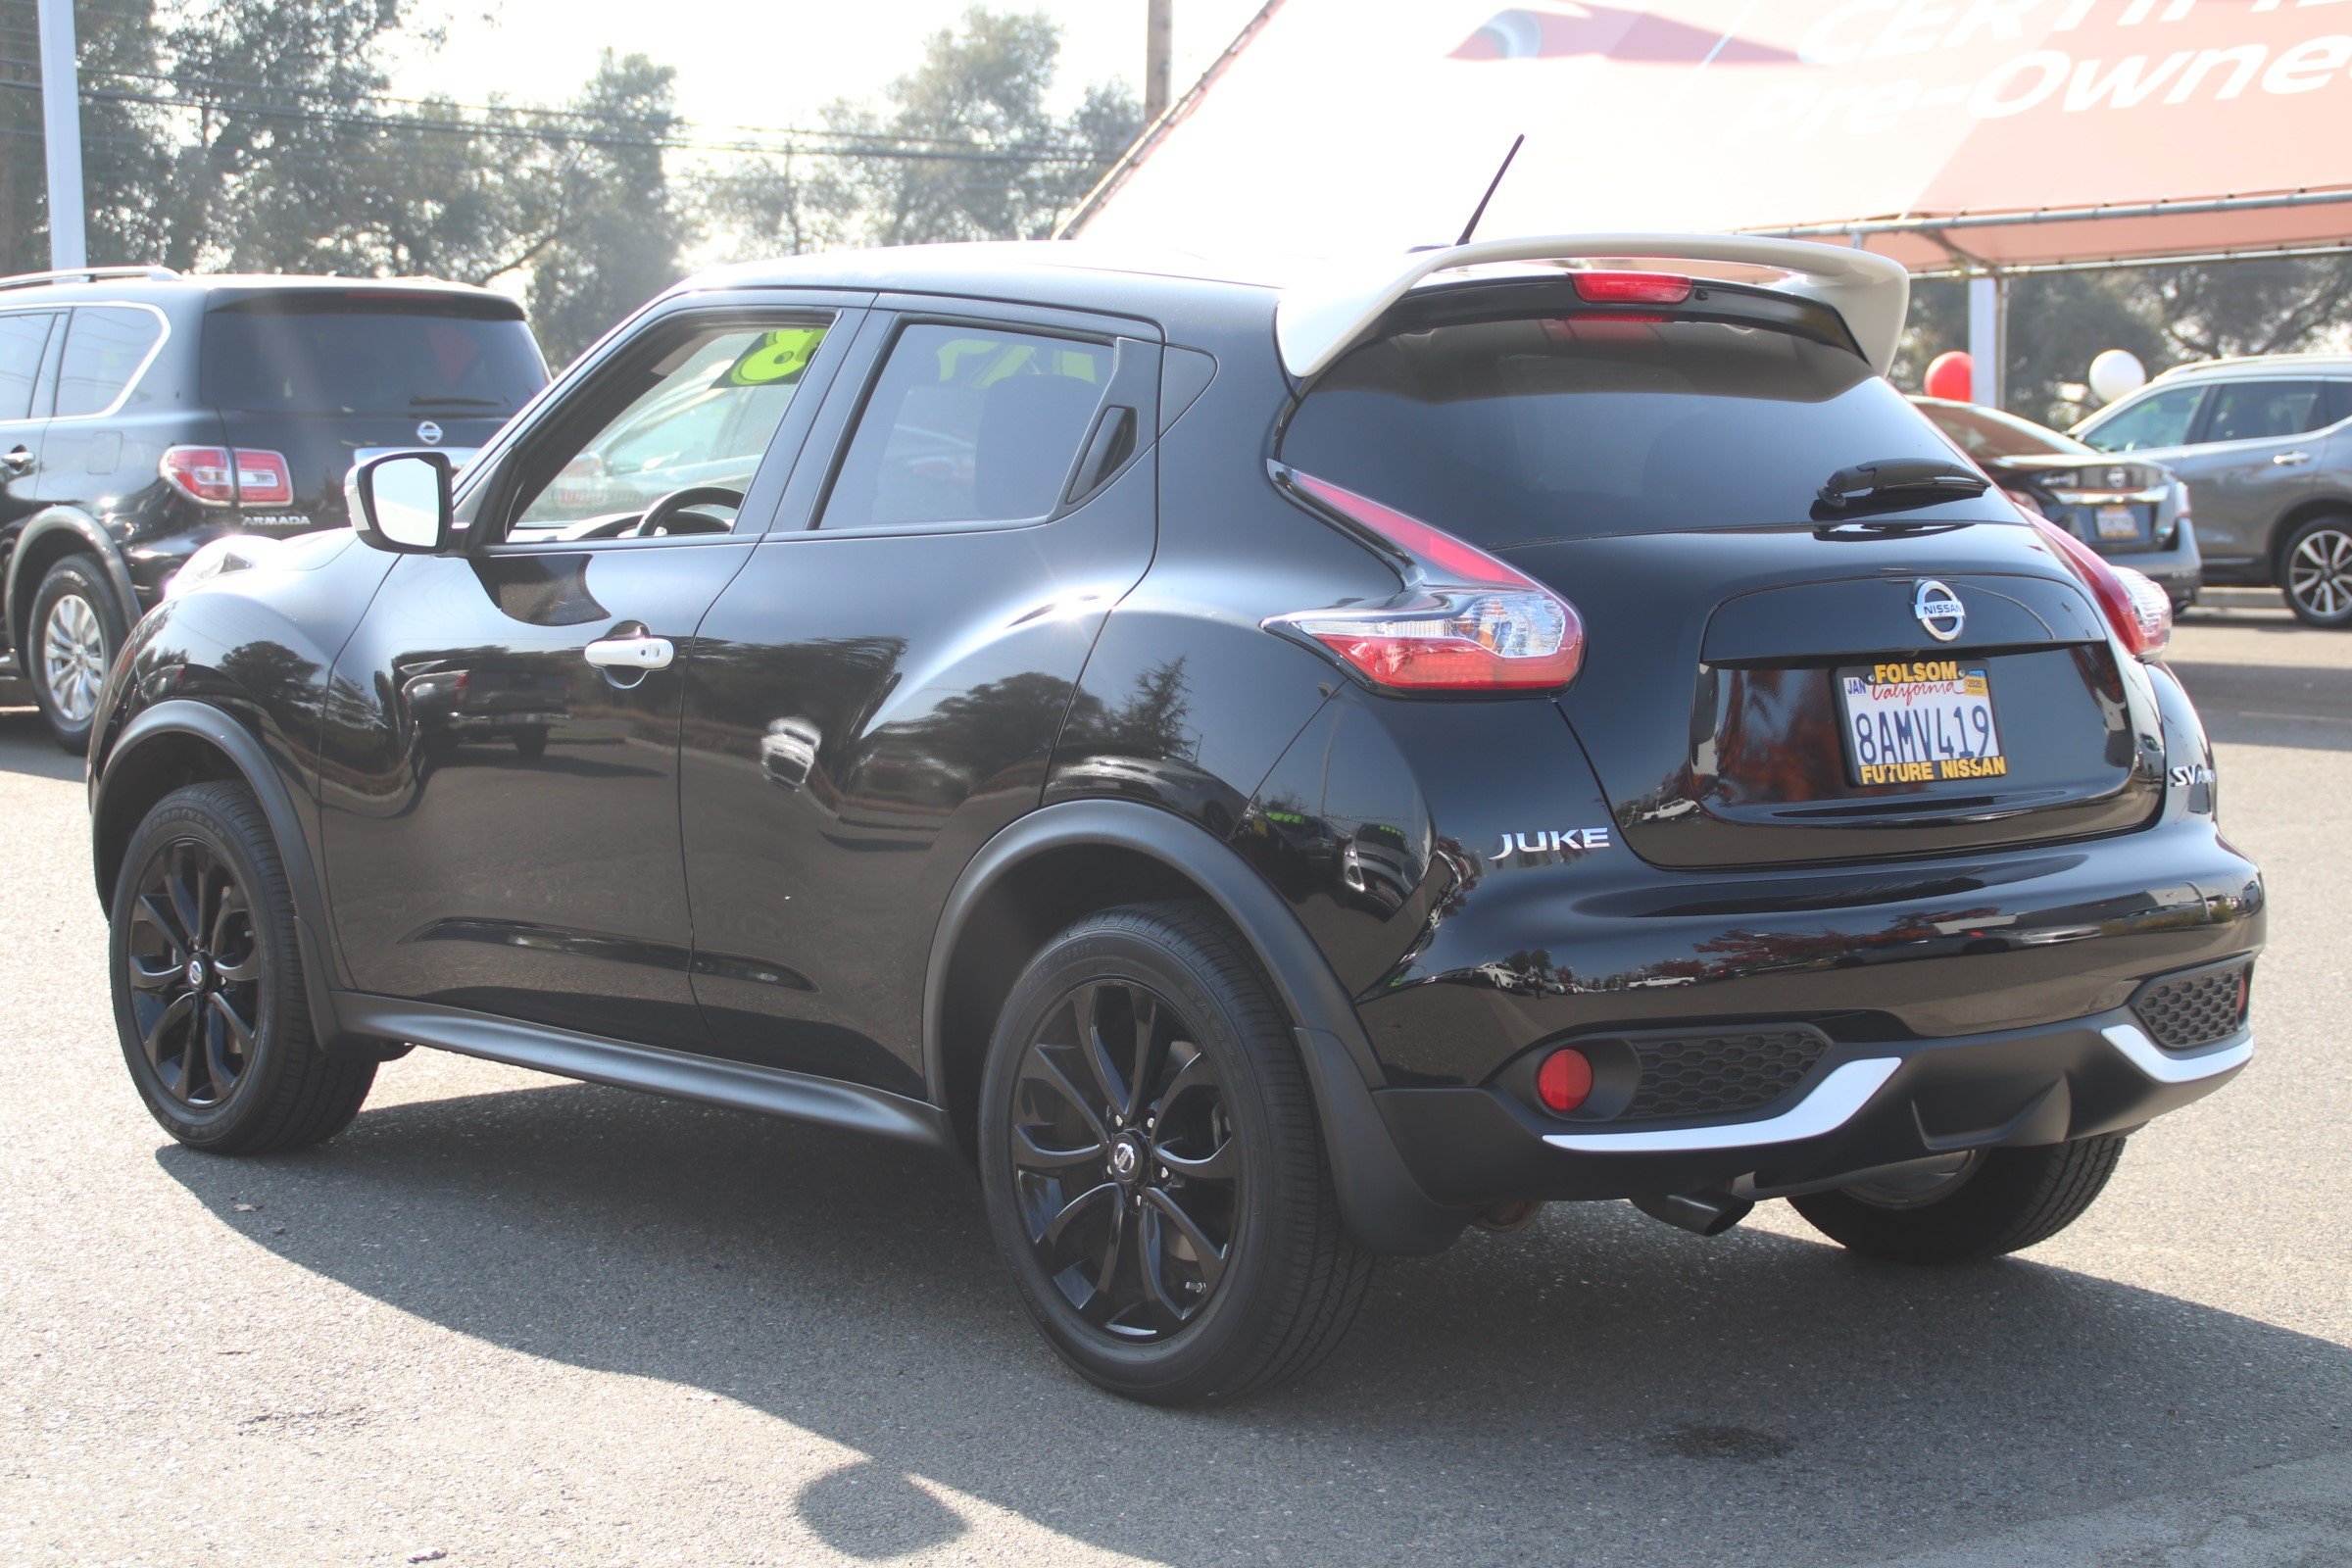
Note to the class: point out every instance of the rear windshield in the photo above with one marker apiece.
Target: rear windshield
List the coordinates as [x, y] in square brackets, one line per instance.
[1990, 433]
[1510, 432]
[296, 357]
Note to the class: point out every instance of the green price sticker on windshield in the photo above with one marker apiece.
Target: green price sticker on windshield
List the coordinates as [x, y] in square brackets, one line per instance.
[778, 356]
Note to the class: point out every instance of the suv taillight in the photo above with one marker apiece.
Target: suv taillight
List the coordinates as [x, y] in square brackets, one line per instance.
[2140, 613]
[1466, 622]
[226, 477]
[201, 473]
[262, 478]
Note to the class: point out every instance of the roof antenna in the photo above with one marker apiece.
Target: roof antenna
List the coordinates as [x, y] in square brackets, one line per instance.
[1492, 185]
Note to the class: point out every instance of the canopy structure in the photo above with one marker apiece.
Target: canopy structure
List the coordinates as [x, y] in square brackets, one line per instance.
[1980, 137]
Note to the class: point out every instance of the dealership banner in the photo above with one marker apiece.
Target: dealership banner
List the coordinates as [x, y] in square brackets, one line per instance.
[2189, 125]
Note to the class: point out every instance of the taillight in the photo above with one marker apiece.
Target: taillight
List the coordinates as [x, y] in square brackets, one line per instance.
[1466, 622]
[2140, 613]
[262, 478]
[224, 477]
[203, 474]
[1632, 288]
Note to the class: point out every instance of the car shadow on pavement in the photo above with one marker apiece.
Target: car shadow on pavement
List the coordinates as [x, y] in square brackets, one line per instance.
[1599, 1388]
[27, 746]
[2272, 705]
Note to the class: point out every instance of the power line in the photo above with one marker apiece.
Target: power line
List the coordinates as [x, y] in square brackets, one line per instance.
[358, 119]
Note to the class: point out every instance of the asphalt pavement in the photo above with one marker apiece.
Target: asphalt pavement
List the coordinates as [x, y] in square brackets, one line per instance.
[508, 1319]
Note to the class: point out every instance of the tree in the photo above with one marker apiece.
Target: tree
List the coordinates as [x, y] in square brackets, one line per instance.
[962, 148]
[616, 243]
[2165, 314]
[124, 163]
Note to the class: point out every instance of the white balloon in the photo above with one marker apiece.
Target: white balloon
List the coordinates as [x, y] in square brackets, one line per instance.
[2117, 374]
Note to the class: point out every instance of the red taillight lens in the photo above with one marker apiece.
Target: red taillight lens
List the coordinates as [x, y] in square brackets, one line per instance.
[201, 473]
[1564, 1081]
[2140, 613]
[219, 476]
[1468, 623]
[1632, 288]
[262, 478]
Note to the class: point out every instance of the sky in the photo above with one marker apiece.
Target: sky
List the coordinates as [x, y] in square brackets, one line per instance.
[774, 63]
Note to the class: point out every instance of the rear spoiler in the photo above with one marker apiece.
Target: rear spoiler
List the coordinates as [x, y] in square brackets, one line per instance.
[1318, 323]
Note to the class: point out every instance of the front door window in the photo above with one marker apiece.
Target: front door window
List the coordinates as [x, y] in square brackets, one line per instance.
[698, 414]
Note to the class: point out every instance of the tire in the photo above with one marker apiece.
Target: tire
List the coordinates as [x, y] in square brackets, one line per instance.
[2003, 1200]
[276, 1091]
[74, 634]
[531, 744]
[2315, 572]
[1227, 1139]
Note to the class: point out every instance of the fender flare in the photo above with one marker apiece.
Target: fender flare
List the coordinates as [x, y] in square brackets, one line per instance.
[1384, 1207]
[245, 752]
[91, 533]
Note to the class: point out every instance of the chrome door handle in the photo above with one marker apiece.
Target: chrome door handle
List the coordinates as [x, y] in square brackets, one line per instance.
[2287, 460]
[18, 461]
[630, 653]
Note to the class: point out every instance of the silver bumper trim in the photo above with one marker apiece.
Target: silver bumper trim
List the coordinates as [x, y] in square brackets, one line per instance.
[1834, 1103]
[2167, 1069]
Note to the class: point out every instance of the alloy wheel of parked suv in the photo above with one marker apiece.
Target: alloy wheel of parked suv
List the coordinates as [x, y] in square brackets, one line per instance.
[2319, 572]
[76, 630]
[209, 999]
[1151, 1164]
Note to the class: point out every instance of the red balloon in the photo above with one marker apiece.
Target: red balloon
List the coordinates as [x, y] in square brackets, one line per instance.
[1951, 375]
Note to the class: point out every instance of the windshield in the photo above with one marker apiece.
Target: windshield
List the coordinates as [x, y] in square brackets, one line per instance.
[1990, 433]
[1506, 432]
[299, 358]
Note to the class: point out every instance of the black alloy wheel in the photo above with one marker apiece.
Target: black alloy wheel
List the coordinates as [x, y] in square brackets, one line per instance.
[1125, 1161]
[210, 1001]
[1152, 1164]
[196, 972]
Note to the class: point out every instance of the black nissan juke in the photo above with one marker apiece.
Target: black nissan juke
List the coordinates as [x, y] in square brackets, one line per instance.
[1273, 770]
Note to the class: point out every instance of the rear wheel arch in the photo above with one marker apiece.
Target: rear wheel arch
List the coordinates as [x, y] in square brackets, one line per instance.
[48, 539]
[1064, 862]
[2282, 532]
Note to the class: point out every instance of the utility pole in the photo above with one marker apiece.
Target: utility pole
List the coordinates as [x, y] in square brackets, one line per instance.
[1159, 52]
[60, 129]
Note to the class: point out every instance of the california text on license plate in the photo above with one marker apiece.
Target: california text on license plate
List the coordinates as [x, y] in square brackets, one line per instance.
[1920, 722]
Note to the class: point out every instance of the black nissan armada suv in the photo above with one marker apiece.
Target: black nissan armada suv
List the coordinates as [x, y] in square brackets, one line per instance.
[144, 413]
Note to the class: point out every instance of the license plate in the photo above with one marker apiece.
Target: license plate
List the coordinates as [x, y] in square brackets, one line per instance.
[1928, 721]
[2117, 522]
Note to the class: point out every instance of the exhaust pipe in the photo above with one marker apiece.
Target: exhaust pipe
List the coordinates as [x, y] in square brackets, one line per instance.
[1702, 1213]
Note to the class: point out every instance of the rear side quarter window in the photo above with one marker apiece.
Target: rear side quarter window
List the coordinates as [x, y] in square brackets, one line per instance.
[968, 425]
[23, 336]
[106, 348]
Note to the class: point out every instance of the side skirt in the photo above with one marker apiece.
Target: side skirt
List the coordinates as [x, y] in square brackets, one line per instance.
[769, 1091]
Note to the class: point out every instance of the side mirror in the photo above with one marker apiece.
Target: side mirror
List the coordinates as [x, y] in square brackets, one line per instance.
[400, 501]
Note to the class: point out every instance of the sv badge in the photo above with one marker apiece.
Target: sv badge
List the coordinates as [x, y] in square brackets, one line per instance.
[1551, 842]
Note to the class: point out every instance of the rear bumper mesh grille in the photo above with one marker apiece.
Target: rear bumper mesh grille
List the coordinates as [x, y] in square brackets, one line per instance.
[1719, 1074]
[2185, 1011]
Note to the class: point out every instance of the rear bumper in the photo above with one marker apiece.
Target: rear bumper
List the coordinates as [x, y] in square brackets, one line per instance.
[1867, 1106]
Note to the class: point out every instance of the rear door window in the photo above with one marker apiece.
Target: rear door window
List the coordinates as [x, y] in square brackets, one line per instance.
[106, 348]
[2161, 420]
[23, 336]
[330, 353]
[2259, 411]
[970, 425]
[1510, 432]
